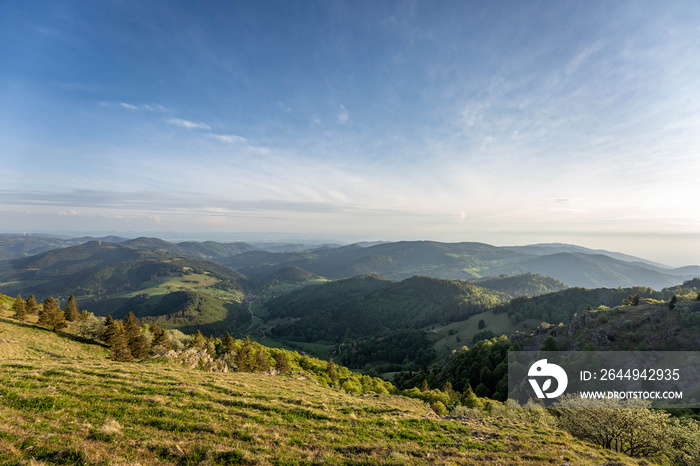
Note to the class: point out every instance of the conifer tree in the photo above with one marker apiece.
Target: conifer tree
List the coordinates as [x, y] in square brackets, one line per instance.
[261, 362]
[469, 398]
[199, 341]
[228, 346]
[120, 347]
[111, 330]
[424, 386]
[20, 308]
[332, 371]
[281, 363]
[244, 361]
[71, 310]
[32, 306]
[160, 337]
[135, 338]
[51, 315]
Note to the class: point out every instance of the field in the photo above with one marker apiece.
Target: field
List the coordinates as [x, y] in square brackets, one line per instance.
[63, 402]
[202, 283]
[457, 334]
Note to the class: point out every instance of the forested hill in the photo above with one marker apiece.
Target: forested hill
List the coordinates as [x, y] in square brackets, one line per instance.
[466, 261]
[369, 305]
[142, 276]
[106, 268]
[572, 265]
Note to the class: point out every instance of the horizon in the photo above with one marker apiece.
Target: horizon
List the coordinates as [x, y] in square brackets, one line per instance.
[503, 123]
[263, 238]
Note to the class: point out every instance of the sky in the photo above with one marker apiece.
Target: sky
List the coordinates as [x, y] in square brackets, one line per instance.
[504, 122]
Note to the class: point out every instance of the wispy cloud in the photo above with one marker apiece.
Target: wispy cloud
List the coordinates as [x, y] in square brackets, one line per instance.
[343, 115]
[230, 138]
[132, 107]
[188, 124]
[576, 62]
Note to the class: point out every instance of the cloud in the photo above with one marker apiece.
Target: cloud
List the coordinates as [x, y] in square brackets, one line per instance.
[576, 62]
[188, 124]
[230, 138]
[343, 115]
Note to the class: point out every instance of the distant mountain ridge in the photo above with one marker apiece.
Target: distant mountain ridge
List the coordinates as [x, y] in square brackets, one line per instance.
[573, 265]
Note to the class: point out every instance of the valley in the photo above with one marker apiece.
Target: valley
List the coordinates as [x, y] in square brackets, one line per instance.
[423, 355]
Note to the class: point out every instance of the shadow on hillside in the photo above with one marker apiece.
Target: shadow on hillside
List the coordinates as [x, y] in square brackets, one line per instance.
[66, 335]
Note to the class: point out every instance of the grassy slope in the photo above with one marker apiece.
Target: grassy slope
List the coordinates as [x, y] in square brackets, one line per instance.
[62, 410]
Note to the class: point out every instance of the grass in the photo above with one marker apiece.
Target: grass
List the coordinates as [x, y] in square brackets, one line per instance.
[202, 283]
[63, 411]
[457, 334]
[76, 407]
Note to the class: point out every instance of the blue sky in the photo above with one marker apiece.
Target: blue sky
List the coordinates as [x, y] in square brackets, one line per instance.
[501, 122]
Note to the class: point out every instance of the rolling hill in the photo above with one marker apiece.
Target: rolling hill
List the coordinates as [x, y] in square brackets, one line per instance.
[371, 305]
[64, 402]
[144, 276]
[570, 264]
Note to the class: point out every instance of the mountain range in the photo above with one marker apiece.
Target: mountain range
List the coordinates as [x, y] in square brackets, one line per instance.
[572, 265]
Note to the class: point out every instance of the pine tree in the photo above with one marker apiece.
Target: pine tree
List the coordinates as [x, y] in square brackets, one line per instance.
[261, 362]
[71, 310]
[332, 371]
[228, 345]
[32, 306]
[199, 341]
[160, 337]
[424, 386]
[120, 347]
[244, 361]
[51, 315]
[111, 330]
[20, 308]
[469, 398]
[281, 363]
[134, 337]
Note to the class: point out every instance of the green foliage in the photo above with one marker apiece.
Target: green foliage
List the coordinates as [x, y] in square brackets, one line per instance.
[19, 308]
[50, 315]
[525, 284]
[186, 310]
[672, 302]
[135, 340]
[91, 327]
[161, 339]
[369, 305]
[562, 305]
[32, 305]
[399, 350]
[484, 366]
[71, 310]
[483, 335]
[332, 372]
[628, 427]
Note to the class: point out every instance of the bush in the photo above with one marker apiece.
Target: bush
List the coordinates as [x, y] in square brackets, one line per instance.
[439, 408]
[625, 426]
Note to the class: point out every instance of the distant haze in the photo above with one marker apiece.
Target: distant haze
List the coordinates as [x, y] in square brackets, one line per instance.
[508, 123]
